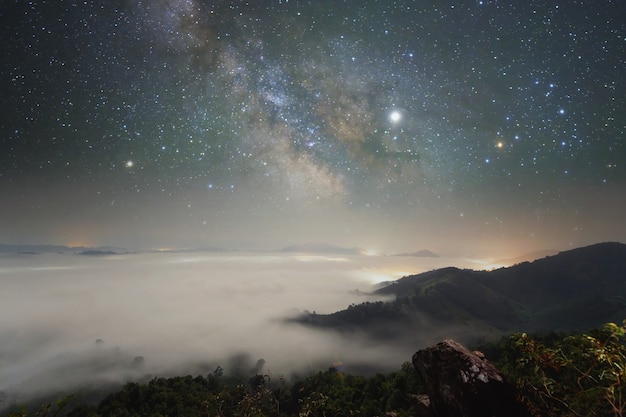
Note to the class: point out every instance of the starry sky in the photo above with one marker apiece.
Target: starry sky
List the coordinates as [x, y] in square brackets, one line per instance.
[471, 127]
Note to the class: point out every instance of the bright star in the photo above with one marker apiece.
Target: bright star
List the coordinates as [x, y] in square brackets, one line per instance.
[395, 116]
[129, 164]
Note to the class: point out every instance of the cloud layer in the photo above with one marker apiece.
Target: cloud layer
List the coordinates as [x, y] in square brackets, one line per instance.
[76, 321]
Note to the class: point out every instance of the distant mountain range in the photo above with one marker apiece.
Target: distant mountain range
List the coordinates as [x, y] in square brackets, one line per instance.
[34, 249]
[306, 248]
[573, 290]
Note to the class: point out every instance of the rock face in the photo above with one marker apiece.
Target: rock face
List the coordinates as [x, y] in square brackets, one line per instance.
[461, 383]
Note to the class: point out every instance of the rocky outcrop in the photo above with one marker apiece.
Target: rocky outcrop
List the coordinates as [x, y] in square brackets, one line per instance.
[461, 383]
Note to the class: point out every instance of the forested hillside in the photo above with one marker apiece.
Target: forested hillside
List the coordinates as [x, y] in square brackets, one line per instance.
[574, 290]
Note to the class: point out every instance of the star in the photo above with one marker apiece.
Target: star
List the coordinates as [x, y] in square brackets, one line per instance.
[395, 116]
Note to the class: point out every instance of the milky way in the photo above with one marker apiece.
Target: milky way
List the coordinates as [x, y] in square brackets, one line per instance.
[399, 124]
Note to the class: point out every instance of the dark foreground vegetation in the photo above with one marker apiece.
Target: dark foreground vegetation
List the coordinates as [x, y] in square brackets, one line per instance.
[578, 374]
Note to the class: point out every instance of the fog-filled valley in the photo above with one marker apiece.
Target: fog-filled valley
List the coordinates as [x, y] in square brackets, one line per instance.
[72, 322]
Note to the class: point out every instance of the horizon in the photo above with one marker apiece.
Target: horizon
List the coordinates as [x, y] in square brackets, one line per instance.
[307, 249]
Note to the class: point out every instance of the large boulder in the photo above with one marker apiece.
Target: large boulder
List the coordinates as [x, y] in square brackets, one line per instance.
[461, 383]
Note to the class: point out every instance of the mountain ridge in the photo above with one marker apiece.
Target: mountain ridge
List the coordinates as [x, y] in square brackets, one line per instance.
[575, 289]
[45, 248]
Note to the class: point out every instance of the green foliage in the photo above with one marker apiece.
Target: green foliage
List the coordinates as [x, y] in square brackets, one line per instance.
[578, 375]
[48, 410]
[329, 394]
[332, 393]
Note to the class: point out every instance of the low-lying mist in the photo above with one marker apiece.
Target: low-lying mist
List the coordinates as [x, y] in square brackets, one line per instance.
[70, 321]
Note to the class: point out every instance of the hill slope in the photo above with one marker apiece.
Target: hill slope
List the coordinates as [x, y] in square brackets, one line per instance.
[576, 289]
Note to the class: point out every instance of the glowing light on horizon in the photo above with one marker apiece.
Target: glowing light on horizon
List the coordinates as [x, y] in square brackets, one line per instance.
[80, 243]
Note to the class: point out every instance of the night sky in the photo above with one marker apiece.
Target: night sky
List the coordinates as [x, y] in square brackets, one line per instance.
[475, 127]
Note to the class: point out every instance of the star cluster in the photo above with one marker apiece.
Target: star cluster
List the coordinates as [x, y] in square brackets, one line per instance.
[252, 116]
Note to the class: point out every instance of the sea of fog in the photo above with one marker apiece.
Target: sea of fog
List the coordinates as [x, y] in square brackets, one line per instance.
[72, 321]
